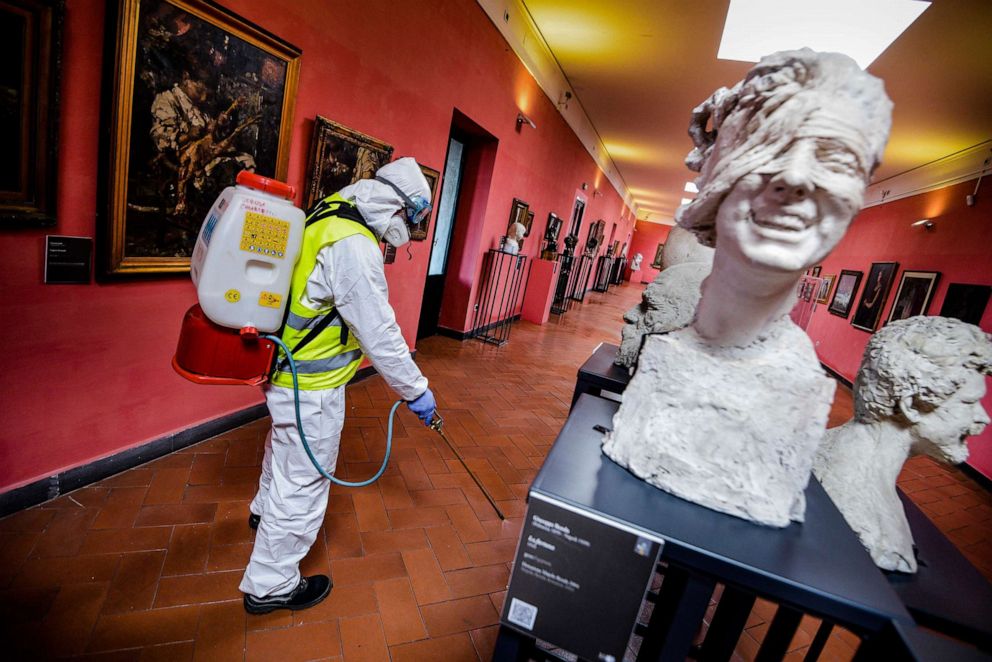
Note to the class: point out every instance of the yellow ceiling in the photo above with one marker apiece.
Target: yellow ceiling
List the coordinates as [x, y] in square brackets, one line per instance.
[639, 67]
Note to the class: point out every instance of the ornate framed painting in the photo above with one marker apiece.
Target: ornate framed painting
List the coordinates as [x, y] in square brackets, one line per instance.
[913, 296]
[826, 283]
[419, 231]
[847, 288]
[518, 214]
[340, 156]
[873, 297]
[656, 263]
[31, 31]
[196, 95]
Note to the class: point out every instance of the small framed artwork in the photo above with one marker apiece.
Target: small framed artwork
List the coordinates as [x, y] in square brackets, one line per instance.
[823, 294]
[847, 288]
[31, 31]
[529, 222]
[595, 238]
[914, 294]
[966, 302]
[553, 228]
[816, 271]
[658, 252]
[873, 297]
[195, 94]
[418, 232]
[340, 156]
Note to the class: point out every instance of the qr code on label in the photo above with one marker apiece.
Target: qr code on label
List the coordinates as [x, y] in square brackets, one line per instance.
[522, 614]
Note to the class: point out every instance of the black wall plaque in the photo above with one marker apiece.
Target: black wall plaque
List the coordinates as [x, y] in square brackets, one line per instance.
[68, 260]
[578, 581]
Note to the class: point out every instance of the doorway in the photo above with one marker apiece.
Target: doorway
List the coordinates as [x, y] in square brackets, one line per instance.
[430, 308]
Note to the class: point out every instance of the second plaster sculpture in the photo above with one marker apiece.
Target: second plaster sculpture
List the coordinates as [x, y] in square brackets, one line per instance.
[669, 301]
[919, 391]
[728, 412]
[514, 235]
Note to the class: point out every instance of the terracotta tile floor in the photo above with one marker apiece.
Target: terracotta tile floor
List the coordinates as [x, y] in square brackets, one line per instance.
[145, 565]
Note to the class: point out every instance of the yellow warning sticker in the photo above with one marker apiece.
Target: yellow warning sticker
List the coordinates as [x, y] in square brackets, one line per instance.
[232, 296]
[269, 299]
[264, 235]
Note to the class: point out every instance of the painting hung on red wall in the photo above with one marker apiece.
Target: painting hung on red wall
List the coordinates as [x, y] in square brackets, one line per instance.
[847, 288]
[873, 297]
[658, 253]
[914, 294]
[198, 94]
[340, 156]
[31, 32]
[823, 294]
[418, 232]
[966, 302]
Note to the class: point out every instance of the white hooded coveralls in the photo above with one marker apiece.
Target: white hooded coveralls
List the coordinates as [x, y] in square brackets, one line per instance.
[292, 495]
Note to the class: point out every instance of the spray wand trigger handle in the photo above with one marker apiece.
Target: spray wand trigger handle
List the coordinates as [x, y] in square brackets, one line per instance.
[436, 422]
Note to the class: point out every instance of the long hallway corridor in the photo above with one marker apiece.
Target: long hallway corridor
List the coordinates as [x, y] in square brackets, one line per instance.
[145, 565]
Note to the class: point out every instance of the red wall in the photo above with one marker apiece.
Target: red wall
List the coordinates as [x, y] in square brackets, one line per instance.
[647, 236]
[87, 367]
[959, 247]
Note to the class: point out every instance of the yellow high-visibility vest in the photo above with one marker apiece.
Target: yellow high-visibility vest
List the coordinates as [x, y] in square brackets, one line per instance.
[324, 362]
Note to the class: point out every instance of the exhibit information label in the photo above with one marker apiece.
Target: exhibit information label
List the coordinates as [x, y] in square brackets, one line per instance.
[68, 260]
[578, 579]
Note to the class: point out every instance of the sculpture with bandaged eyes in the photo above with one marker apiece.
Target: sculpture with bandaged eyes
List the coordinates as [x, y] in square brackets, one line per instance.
[919, 391]
[728, 412]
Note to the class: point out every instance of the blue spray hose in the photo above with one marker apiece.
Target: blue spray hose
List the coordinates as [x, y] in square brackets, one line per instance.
[303, 437]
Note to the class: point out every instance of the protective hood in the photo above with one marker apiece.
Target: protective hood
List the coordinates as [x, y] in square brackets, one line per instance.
[378, 202]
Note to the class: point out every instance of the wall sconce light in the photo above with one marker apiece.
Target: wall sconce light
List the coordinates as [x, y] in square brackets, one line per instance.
[597, 194]
[523, 119]
[927, 224]
[585, 186]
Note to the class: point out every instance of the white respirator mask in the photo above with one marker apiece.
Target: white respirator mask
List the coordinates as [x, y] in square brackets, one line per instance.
[397, 231]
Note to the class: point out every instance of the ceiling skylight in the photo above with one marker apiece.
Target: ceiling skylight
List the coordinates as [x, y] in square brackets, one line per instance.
[862, 29]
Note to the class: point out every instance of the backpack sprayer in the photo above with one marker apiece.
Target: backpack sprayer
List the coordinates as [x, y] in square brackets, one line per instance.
[242, 267]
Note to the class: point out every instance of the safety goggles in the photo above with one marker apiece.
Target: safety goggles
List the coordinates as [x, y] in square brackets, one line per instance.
[417, 208]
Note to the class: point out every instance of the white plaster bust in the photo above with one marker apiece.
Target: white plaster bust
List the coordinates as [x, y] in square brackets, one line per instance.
[670, 300]
[728, 412]
[919, 391]
[514, 234]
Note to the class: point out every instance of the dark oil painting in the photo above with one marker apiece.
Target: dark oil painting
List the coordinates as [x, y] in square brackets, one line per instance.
[208, 99]
[873, 297]
[340, 156]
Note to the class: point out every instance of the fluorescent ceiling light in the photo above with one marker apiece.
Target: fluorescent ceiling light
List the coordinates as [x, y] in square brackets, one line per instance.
[862, 29]
[690, 187]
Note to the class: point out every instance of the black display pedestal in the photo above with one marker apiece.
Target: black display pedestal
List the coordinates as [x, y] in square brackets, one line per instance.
[946, 594]
[599, 373]
[818, 567]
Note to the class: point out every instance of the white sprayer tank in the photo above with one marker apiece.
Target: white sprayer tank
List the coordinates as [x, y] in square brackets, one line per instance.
[243, 262]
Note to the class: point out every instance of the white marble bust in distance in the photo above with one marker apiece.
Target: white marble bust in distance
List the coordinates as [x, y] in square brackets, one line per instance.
[919, 391]
[728, 412]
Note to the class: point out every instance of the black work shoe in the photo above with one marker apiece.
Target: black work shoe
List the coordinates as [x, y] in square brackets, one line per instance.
[254, 520]
[310, 591]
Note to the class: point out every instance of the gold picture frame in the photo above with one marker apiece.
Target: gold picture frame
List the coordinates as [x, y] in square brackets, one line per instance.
[197, 94]
[419, 231]
[32, 30]
[340, 156]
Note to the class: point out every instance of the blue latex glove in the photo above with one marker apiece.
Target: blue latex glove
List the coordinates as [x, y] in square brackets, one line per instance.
[424, 407]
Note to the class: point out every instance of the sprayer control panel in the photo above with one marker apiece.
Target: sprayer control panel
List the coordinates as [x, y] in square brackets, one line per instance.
[243, 262]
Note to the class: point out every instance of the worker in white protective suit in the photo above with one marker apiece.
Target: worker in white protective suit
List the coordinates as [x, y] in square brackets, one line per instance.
[338, 312]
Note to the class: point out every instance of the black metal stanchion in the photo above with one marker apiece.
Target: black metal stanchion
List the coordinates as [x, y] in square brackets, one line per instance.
[498, 294]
